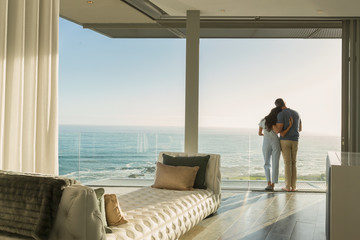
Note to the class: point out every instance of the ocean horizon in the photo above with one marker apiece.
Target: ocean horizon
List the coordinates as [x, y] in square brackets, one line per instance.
[92, 153]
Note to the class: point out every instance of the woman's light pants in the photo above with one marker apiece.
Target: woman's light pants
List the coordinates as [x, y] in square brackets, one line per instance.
[271, 150]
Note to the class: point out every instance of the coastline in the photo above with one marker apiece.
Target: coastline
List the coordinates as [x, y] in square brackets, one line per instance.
[89, 153]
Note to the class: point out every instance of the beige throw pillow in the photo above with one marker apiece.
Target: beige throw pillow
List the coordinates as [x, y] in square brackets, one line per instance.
[114, 215]
[175, 177]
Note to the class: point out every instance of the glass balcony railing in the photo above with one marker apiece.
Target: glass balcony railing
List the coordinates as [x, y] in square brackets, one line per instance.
[109, 155]
[92, 154]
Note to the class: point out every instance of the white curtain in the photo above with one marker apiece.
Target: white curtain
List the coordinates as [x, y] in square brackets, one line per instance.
[29, 85]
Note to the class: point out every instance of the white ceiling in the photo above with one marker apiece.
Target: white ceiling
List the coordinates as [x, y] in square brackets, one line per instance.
[262, 8]
[224, 18]
[101, 11]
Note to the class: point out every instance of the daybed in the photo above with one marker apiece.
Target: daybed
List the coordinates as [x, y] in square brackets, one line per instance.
[151, 213]
[168, 214]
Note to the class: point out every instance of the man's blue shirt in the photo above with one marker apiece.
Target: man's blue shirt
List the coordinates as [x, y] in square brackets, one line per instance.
[283, 117]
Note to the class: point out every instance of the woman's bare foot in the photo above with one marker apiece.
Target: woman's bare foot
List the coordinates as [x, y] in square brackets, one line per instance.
[286, 189]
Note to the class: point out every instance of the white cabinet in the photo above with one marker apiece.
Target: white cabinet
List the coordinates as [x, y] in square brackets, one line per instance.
[343, 196]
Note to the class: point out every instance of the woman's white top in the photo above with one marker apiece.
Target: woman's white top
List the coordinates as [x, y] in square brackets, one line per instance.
[270, 134]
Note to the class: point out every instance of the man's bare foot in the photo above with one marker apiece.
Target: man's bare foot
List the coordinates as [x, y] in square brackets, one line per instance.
[286, 189]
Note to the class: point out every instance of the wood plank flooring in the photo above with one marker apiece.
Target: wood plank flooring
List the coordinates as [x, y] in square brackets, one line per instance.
[264, 216]
[257, 215]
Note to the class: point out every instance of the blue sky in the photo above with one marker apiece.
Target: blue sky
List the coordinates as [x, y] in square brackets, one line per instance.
[104, 81]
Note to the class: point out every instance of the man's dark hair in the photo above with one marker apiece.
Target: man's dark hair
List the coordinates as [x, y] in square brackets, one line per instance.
[279, 102]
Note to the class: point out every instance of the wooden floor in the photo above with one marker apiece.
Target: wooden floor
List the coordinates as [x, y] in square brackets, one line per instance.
[263, 215]
[257, 215]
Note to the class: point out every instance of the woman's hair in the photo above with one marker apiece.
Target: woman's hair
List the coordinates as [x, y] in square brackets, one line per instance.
[271, 118]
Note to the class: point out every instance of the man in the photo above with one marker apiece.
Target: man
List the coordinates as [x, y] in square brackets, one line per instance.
[289, 142]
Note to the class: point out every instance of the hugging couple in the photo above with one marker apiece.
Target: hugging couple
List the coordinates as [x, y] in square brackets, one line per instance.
[286, 122]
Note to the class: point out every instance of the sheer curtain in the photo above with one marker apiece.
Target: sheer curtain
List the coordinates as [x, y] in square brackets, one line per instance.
[28, 85]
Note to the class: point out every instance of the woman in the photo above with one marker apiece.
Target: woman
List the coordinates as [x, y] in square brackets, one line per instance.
[271, 146]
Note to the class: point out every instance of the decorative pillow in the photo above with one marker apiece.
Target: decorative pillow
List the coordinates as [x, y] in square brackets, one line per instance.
[100, 197]
[114, 215]
[193, 161]
[174, 177]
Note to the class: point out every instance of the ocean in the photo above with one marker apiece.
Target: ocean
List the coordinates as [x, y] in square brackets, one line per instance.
[93, 153]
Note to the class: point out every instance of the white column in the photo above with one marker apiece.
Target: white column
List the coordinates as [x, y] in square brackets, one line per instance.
[345, 88]
[351, 86]
[192, 81]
